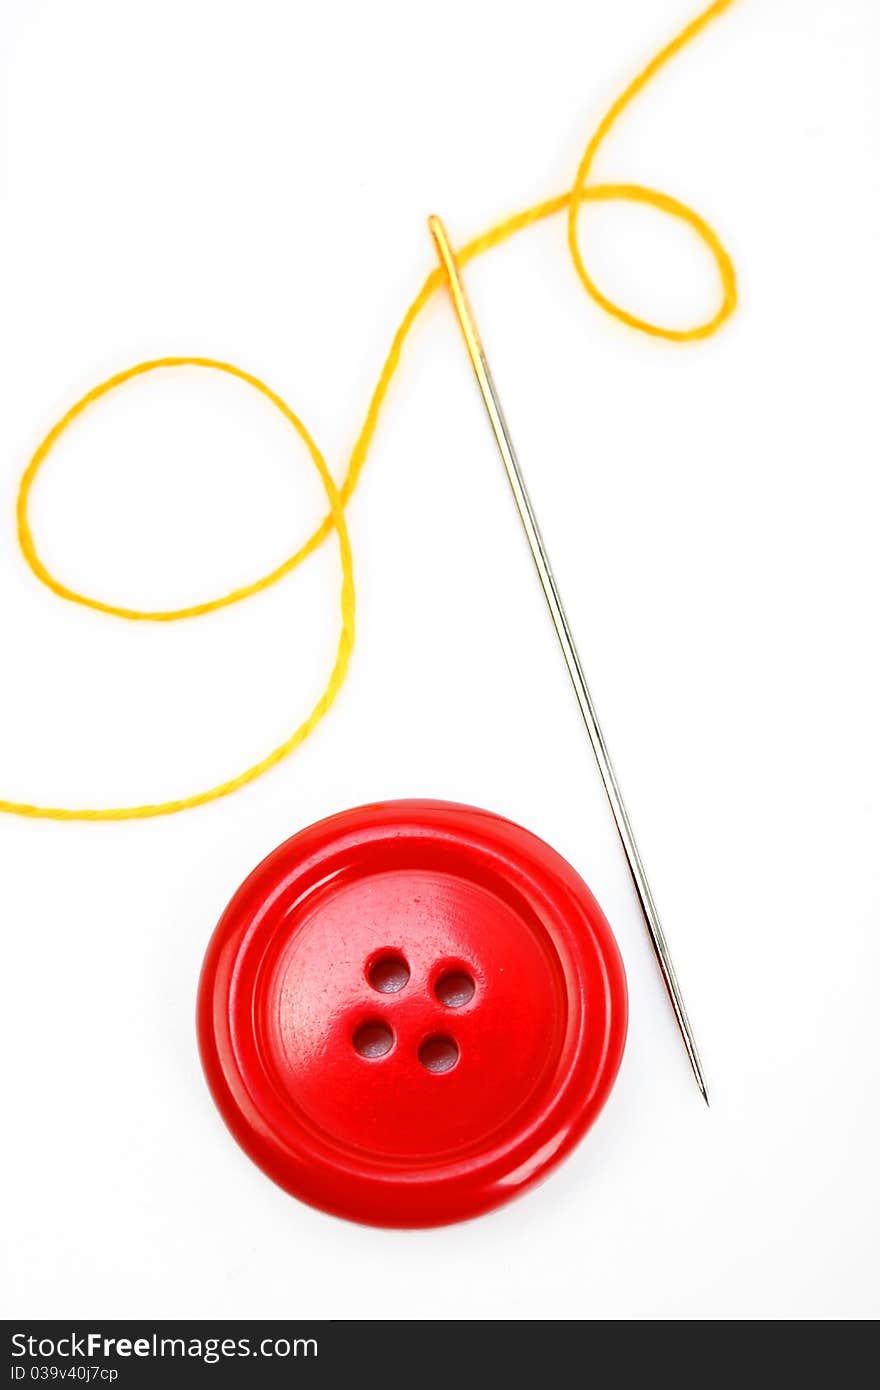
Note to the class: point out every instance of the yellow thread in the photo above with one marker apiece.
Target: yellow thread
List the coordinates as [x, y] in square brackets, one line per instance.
[337, 497]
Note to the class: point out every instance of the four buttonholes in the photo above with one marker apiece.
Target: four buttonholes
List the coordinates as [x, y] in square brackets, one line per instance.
[388, 974]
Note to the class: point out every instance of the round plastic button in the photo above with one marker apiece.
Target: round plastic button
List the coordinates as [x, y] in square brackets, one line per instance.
[410, 1012]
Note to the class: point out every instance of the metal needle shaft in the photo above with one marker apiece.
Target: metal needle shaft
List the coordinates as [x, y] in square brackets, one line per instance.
[566, 641]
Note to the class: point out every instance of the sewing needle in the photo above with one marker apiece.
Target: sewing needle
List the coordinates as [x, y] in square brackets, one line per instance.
[566, 640]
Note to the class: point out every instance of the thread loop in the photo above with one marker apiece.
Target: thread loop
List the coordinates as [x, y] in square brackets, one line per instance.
[337, 497]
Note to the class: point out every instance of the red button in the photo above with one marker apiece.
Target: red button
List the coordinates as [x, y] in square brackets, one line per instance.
[411, 1011]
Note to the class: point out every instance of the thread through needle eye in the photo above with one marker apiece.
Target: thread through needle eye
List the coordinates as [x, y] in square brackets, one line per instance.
[566, 641]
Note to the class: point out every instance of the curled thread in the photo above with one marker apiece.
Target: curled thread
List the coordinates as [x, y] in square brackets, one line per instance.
[570, 203]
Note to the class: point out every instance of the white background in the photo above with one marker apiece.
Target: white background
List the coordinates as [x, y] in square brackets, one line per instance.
[250, 181]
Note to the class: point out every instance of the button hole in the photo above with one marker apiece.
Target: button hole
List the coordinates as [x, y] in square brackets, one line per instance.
[439, 1053]
[455, 988]
[373, 1039]
[388, 972]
